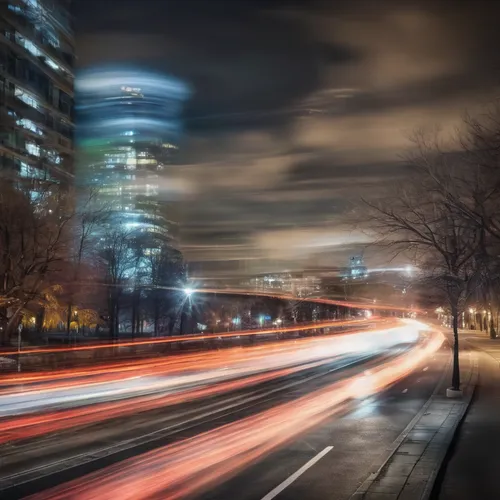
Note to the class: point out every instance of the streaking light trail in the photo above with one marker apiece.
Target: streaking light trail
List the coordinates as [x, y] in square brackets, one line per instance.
[148, 385]
[192, 465]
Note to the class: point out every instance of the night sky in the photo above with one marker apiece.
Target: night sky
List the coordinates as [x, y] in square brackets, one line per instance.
[298, 108]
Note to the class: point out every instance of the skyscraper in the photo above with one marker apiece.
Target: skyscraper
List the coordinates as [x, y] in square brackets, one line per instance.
[129, 130]
[36, 89]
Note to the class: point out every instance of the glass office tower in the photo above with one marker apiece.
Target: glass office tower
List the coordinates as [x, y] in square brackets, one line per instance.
[129, 128]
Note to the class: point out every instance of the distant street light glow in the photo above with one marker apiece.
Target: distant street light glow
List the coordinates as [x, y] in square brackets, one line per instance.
[188, 291]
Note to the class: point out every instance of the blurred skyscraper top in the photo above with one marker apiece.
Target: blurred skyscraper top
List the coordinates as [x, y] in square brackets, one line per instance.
[129, 128]
[36, 89]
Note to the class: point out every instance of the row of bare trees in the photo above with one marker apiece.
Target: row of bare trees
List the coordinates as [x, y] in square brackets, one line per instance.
[446, 217]
[61, 265]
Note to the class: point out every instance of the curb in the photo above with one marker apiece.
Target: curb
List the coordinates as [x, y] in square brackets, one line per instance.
[453, 434]
[364, 489]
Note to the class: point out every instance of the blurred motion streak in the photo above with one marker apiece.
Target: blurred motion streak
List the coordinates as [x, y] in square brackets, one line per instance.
[191, 338]
[194, 464]
[176, 380]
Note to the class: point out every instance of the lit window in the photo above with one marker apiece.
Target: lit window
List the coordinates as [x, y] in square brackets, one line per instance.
[26, 98]
[33, 149]
[32, 3]
[28, 171]
[29, 125]
[16, 9]
[52, 64]
[53, 157]
[33, 49]
[35, 195]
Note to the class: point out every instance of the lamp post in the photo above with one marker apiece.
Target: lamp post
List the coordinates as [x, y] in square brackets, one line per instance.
[187, 304]
[472, 312]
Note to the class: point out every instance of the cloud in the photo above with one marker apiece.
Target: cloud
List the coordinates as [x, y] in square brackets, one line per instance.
[298, 110]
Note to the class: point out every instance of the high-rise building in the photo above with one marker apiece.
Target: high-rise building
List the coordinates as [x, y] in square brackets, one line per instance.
[129, 127]
[36, 89]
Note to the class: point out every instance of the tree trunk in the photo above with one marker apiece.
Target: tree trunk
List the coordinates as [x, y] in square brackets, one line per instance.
[111, 323]
[111, 314]
[68, 322]
[3, 326]
[171, 324]
[156, 315]
[182, 326]
[134, 314]
[455, 379]
[116, 328]
[40, 318]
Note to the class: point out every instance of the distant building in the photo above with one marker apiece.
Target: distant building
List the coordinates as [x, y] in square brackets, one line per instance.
[128, 136]
[297, 284]
[36, 90]
[356, 269]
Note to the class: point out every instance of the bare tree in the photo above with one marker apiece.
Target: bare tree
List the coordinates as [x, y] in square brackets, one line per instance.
[445, 246]
[89, 218]
[34, 239]
[119, 262]
[468, 181]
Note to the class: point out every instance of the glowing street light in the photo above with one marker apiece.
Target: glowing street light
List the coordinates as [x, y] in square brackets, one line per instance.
[188, 291]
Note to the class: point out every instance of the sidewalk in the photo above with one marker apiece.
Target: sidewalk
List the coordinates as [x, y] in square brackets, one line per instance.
[411, 467]
[473, 469]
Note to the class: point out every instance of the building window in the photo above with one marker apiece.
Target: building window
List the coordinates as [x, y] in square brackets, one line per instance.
[29, 125]
[16, 9]
[28, 45]
[26, 98]
[54, 157]
[30, 172]
[33, 149]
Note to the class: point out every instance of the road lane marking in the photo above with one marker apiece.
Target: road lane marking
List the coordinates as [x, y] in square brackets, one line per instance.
[287, 482]
[405, 391]
[241, 403]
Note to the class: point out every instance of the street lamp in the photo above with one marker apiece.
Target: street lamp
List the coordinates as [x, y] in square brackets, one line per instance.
[188, 291]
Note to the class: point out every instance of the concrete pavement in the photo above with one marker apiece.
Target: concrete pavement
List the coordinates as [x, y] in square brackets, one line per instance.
[473, 466]
[410, 471]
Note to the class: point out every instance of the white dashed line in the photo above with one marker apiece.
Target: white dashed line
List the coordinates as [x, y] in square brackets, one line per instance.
[296, 475]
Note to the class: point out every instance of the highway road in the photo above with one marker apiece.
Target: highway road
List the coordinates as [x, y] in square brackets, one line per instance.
[302, 427]
[344, 450]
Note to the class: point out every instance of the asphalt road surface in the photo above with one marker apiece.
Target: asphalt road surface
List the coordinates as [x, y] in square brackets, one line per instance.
[328, 462]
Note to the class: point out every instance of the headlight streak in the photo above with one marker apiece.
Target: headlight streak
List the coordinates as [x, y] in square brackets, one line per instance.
[191, 338]
[173, 381]
[192, 465]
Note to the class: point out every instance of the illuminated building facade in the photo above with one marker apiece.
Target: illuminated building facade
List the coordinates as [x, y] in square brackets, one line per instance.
[129, 131]
[356, 269]
[296, 284]
[36, 90]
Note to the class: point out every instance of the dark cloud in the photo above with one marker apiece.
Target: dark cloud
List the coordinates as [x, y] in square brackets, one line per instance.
[245, 64]
[330, 169]
[299, 107]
